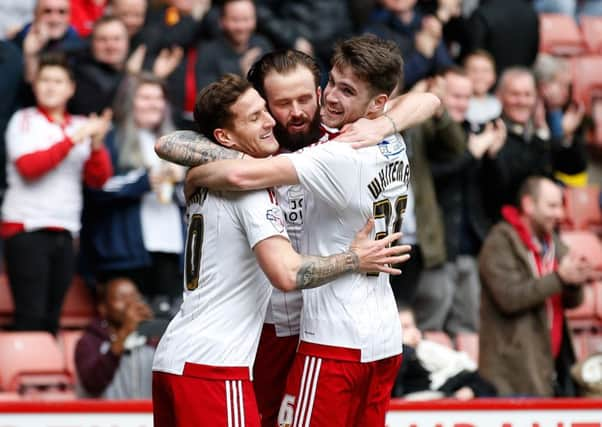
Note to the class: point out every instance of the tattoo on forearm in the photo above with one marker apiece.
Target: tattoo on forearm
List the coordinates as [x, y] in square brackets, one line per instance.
[188, 148]
[316, 271]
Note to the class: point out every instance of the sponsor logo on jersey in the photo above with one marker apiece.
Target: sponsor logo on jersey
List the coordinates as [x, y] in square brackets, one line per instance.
[274, 215]
[392, 148]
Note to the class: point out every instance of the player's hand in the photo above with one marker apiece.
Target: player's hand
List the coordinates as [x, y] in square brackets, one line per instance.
[379, 255]
[363, 133]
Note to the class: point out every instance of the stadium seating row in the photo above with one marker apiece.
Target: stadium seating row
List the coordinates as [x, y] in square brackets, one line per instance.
[35, 363]
[561, 35]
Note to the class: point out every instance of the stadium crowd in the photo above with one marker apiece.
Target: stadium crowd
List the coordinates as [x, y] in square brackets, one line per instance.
[88, 86]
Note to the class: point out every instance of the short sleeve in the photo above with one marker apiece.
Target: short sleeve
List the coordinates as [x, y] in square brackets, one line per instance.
[328, 171]
[260, 216]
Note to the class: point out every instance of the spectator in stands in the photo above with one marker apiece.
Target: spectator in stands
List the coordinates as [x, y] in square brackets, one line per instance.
[418, 36]
[292, 24]
[423, 225]
[465, 223]
[49, 31]
[528, 149]
[84, 13]
[528, 279]
[184, 24]
[508, 29]
[99, 72]
[484, 106]
[237, 49]
[48, 154]
[428, 366]
[112, 361]
[133, 226]
[132, 13]
[11, 70]
[563, 117]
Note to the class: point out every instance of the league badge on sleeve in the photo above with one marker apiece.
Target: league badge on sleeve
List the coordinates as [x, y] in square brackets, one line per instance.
[274, 215]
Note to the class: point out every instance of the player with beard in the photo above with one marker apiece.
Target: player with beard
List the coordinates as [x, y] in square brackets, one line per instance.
[288, 80]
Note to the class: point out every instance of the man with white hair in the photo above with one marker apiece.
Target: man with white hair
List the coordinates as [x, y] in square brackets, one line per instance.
[529, 147]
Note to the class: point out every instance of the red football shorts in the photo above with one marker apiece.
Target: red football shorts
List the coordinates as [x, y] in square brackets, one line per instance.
[204, 396]
[275, 356]
[327, 392]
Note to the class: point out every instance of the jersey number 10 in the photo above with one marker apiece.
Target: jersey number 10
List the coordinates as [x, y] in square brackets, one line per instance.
[194, 250]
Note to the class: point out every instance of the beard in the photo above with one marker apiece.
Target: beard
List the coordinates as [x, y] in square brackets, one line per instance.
[296, 141]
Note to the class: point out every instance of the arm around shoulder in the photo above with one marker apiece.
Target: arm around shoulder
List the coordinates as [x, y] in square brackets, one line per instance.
[244, 174]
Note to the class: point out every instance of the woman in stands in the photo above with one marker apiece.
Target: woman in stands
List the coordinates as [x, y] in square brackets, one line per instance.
[134, 225]
[50, 154]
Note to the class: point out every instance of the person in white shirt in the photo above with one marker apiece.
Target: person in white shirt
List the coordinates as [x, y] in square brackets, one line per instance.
[209, 347]
[350, 346]
[50, 156]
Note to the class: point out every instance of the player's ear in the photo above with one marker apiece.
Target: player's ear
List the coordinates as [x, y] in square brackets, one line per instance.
[223, 137]
[319, 95]
[377, 105]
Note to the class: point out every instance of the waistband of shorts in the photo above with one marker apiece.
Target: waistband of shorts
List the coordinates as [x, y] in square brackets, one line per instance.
[330, 351]
[217, 372]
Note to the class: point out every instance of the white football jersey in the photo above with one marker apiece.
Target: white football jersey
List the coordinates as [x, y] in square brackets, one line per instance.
[225, 291]
[356, 311]
[284, 309]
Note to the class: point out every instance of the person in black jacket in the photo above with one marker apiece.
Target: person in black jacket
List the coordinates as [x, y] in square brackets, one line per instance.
[311, 26]
[508, 29]
[529, 148]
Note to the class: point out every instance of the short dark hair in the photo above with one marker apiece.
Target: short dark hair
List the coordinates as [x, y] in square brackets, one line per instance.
[55, 59]
[376, 61]
[103, 20]
[281, 61]
[213, 106]
[224, 3]
[454, 69]
[479, 53]
[531, 187]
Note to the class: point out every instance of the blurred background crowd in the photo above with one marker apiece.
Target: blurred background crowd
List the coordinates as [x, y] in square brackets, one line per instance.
[92, 220]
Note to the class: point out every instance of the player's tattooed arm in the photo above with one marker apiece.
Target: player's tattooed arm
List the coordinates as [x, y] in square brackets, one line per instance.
[188, 148]
[316, 270]
[289, 271]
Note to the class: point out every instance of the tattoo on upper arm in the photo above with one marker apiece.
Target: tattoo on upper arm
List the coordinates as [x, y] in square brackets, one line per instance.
[317, 271]
[188, 148]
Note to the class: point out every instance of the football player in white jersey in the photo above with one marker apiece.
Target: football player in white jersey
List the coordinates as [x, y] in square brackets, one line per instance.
[289, 81]
[202, 366]
[350, 341]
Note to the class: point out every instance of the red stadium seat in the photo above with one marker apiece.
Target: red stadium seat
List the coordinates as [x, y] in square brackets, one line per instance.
[439, 337]
[68, 341]
[582, 207]
[591, 30]
[7, 307]
[79, 307]
[587, 79]
[585, 243]
[31, 360]
[559, 35]
[469, 343]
